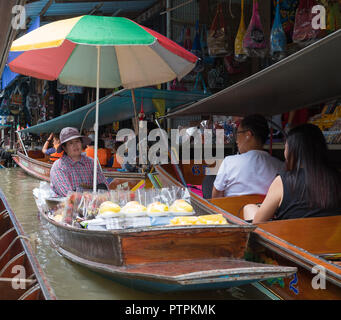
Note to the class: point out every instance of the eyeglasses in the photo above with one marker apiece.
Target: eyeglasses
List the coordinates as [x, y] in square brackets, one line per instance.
[242, 131]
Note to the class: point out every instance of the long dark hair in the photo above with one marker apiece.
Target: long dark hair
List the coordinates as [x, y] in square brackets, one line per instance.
[307, 149]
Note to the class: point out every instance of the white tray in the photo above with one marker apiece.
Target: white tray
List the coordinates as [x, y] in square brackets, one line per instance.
[158, 214]
[135, 214]
[182, 213]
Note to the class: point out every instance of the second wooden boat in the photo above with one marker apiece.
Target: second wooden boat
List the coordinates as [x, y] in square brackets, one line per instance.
[21, 277]
[36, 165]
[312, 245]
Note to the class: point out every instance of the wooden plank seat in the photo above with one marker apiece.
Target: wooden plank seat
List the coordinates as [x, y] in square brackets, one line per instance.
[35, 154]
[235, 204]
[320, 235]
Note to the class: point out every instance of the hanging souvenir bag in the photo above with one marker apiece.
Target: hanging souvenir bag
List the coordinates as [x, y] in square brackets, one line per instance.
[304, 33]
[278, 40]
[204, 49]
[239, 52]
[254, 42]
[216, 42]
[16, 98]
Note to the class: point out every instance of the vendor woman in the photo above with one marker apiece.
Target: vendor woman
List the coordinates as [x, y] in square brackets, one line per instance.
[74, 170]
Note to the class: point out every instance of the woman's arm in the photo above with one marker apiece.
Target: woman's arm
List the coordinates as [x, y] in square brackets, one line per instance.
[60, 182]
[216, 193]
[47, 143]
[271, 202]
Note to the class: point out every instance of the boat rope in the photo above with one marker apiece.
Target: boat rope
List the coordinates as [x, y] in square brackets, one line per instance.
[3, 212]
[13, 242]
[26, 281]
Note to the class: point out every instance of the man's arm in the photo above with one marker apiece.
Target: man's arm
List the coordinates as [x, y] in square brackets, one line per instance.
[216, 193]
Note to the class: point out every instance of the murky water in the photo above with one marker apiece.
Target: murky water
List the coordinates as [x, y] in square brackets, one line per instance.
[70, 281]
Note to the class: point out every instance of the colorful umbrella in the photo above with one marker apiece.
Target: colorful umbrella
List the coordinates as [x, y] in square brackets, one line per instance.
[127, 54]
[131, 55]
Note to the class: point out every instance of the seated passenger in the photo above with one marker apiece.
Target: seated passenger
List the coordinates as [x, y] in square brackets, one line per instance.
[74, 170]
[102, 152]
[253, 169]
[54, 138]
[309, 187]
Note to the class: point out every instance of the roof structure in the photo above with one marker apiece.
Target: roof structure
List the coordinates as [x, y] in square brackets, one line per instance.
[306, 78]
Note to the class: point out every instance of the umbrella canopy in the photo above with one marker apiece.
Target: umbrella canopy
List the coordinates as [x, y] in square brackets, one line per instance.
[127, 54]
[132, 55]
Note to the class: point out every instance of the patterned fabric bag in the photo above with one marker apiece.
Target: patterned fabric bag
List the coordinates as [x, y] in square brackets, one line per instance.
[216, 41]
[304, 33]
[278, 39]
[254, 42]
[239, 52]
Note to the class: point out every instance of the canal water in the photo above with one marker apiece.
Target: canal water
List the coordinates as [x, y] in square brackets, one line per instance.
[72, 282]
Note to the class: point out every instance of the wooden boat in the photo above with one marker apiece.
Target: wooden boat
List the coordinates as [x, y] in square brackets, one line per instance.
[36, 165]
[165, 258]
[21, 277]
[312, 245]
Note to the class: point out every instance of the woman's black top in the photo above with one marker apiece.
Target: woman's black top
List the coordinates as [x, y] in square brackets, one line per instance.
[294, 204]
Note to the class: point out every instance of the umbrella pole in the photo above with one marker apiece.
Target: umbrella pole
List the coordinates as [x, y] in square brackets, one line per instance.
[96, 121]
[135, 122]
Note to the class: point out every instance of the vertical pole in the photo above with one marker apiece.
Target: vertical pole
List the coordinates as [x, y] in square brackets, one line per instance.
[96, 121]
[169, 34]
[135, 122]
[21, 142]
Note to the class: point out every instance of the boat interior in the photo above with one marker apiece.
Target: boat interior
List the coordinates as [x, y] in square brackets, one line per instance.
[322, 235]
[18, 280]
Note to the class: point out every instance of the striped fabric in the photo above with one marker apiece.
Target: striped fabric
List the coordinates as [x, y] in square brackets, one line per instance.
[67, 175]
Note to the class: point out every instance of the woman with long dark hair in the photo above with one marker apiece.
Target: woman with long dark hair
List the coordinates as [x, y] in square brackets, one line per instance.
[310, 186]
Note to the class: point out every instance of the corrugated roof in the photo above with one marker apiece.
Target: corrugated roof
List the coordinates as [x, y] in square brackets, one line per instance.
[80, 8]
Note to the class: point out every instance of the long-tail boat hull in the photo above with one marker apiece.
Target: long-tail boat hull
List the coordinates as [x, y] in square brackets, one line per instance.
[164, 258]
[312, 245]
[21, 277]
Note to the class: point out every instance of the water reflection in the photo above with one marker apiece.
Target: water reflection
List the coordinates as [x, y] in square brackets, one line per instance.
[70, 281]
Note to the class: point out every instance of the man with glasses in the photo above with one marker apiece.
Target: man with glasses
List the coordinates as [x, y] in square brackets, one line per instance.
[253, 169]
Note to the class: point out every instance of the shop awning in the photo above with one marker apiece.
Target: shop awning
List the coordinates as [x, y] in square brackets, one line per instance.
[118, 107]
[308, 77]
